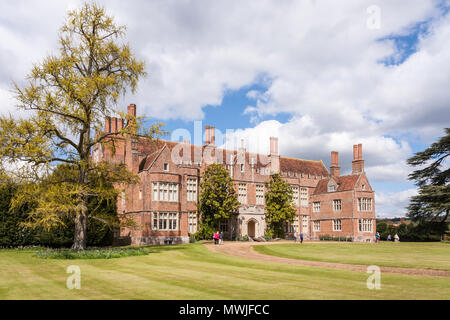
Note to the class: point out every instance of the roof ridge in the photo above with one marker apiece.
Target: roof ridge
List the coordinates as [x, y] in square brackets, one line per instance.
[292, 158]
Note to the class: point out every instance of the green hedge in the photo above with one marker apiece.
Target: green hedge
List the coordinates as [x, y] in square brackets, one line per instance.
[331, 238]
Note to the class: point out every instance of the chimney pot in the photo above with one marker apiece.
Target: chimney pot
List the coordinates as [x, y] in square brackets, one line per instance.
[132, 110]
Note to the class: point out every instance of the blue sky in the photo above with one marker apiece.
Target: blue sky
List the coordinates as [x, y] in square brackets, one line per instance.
[320, 75]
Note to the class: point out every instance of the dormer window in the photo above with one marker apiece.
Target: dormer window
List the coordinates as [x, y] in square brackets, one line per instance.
[166, 167]
[331, 188]
[363, 187]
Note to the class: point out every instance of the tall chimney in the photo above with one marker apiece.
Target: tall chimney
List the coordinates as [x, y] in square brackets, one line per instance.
[108, 124]
[335, 169]
[113, 124]
[120, 124]
[274, 156]
[358, 162]
[273, 145]
[212, 133]
[207, 135]
[132, 110]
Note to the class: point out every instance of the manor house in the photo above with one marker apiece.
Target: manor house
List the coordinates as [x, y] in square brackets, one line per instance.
[164, 203]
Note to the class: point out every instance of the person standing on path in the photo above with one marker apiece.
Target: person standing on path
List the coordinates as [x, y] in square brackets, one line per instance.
[216, 237]
[301, 237]
[221, 238]
[396, 238]
[377, 237]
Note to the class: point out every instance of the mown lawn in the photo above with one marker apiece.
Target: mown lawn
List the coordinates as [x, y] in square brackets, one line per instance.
[193, 272]
[387, 254]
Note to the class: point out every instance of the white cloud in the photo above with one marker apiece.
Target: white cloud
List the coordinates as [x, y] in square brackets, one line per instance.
[393, 204]
[318, 60]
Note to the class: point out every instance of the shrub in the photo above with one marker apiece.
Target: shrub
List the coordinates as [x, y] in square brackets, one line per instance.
[242, 238]
[205, 232]
[331, 238]
[91, 253]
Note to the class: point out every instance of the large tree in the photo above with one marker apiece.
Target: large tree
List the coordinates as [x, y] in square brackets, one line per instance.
[279, 207]
[67, 96]
[433, 201]
[218, 199]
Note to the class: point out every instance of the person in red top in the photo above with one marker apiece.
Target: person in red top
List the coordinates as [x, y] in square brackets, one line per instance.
[216, 237]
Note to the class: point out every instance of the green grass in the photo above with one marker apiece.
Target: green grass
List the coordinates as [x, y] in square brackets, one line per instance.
[191, 271]
[387, 254]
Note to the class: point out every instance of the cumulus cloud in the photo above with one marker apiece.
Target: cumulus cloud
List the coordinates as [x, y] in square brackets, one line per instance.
[316, 60]
[393, 204]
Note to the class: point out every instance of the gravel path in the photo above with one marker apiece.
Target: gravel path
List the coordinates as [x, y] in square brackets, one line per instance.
[245, 250]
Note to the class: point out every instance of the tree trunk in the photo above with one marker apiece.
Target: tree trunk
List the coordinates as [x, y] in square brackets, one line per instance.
[80, 237]
[79, 242]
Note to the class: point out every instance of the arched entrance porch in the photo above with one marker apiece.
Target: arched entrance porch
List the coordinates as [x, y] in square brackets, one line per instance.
[251, 228]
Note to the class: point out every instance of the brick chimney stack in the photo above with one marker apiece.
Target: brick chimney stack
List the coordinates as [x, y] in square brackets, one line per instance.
[207, 135]
[120, 124]
[358, 162]
[132, 110]
[108, 125]
[113, 124]
[212, 132]
[274, 156]
[273, 146]
[335, 169]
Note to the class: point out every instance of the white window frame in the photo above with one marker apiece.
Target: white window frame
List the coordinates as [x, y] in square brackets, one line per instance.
[337, 205]
[192, 221]
[165, 191]
[305, 224]
[166, 221]
[295, 195]
[304, 197]
[242, 193]
[191, 189]
[365, 204]
[316, 226]
[365, 225]
[259, 194]
[337, 225]
[316, 206]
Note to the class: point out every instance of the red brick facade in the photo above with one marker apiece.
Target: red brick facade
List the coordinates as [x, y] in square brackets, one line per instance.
[164, 203]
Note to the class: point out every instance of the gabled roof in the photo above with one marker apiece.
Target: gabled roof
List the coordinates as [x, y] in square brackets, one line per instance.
[345, 183]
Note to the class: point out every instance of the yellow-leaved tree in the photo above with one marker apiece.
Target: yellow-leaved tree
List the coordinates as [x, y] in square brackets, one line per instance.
[67, 97]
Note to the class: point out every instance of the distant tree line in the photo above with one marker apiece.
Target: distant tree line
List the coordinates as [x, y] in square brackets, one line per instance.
[414, 232]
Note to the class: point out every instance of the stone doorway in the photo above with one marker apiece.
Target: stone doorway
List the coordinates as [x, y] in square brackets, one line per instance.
[251, 228]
